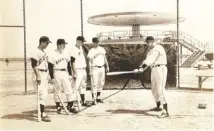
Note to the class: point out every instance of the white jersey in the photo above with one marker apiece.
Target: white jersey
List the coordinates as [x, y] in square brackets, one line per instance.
[41, 57]
[97, 55]
[156, 56]
[59, 60]
[78, 54]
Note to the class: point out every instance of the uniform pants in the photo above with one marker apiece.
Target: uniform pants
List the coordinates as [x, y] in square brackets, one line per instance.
[158, 82]
[62, 83]
[98, 79]
[81, 79]
[43, 87]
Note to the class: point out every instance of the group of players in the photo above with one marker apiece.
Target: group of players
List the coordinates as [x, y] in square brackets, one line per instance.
[67, 67]
[64, 68]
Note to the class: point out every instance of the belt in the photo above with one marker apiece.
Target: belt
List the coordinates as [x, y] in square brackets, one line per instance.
[99, 66]
[81, 68]
[43, 70]
[60, 69]
[158, 65]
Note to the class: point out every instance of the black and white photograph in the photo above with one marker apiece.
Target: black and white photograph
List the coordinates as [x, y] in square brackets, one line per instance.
[106, 65]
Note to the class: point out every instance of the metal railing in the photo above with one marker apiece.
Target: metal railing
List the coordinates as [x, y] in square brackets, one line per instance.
[158, 34]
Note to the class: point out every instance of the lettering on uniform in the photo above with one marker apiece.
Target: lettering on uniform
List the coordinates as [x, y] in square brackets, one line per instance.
[42, 59]
[61, 59]
[96, 55]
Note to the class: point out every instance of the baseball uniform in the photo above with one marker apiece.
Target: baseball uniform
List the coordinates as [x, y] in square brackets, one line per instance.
[60, 63]
[157, 60]
[97, 57]
[80, 68]
[42, 66]
[60, 73]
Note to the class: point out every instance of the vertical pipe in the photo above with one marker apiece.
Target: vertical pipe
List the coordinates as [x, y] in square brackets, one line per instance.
[25, 52]
[81, 12]
[178, 50]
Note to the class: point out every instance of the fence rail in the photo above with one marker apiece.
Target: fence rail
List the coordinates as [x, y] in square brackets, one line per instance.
[159, 34]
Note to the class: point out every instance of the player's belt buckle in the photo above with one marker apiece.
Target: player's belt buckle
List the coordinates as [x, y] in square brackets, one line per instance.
[42, 70]
[158, 65]
[98, 66]
[61, 69]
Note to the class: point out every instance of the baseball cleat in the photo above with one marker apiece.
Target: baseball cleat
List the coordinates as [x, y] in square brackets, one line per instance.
[163, 115]
[73, 110]
[86, 105]
[156, 109]
[100, 101]
[46, 119]
[94, 103]
[59, 110]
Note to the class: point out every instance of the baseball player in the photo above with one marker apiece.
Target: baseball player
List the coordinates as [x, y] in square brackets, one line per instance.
[60, 73]
[40, 75]
[157, 60]
[7, 61]
[97, 62]
[79, 68]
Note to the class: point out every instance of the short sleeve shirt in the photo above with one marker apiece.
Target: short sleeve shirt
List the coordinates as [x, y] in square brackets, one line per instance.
[97, 55]
[41, 57]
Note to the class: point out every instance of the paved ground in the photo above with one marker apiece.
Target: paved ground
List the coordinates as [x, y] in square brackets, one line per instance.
[125, 110]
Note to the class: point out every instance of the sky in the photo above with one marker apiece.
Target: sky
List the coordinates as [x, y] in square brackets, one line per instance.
[61, 19]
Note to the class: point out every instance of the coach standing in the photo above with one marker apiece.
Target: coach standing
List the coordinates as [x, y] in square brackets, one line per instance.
[157, 60]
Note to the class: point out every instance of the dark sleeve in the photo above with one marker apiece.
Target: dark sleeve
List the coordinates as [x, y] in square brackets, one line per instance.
[33, 62]
[72, 59]
[69, 68]
[50, 68]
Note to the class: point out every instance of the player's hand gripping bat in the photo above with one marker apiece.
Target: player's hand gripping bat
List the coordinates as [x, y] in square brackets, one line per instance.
[136, 71]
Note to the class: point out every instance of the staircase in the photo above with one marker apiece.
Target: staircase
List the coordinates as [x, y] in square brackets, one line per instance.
[193, 59]
[197, 48]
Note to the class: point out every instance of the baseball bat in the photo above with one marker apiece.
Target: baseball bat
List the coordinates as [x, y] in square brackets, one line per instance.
[120, 73]
[78, 100]
[38, 105]
[78, 94]
[63, 105]
[92, 86]
[124, 72]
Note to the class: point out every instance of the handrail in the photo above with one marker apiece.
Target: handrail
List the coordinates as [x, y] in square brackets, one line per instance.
[127, 34]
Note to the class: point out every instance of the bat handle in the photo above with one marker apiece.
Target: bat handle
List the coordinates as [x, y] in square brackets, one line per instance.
[38, 105]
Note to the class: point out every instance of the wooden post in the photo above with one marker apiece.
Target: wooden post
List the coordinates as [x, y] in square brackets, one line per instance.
[200, 82]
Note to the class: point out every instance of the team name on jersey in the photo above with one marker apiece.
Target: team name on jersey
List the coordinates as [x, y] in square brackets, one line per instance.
[96, 55]
[61, 59]
[44, 58]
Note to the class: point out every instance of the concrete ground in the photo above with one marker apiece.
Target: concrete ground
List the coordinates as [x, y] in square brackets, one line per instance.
[124, 110]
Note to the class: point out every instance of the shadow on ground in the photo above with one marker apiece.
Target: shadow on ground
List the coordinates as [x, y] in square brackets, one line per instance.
[28, 115]
[128, 111]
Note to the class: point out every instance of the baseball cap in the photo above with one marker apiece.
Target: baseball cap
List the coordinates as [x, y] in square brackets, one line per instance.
[61, 41]
[148, 38]
[95, 40]
[44, 39]
[81, 38]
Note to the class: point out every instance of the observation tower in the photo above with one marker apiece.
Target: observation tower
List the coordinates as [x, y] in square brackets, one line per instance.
[127, 49]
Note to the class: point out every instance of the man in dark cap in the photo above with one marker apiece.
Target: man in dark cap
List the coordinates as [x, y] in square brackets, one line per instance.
[156, 59]
[39, 64]
[79, 68]
[60, 73]
[98, 65]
